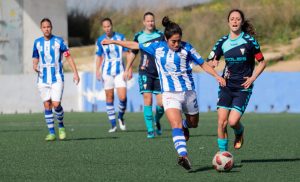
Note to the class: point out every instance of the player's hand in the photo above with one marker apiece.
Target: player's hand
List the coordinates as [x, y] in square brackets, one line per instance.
[248, 82]
[99, 75]
[221, 81]
[76, 78]
[106, 41]
[127, 75]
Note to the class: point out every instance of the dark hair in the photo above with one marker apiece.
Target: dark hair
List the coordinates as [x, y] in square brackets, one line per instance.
[46, 20]
[106, 19]
[171, 28]
[246, 25]
[148, 13]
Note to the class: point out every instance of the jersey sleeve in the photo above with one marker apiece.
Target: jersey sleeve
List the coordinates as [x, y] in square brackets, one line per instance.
[149, 47]
[64, 48]
[99, 48]
[256, 50]
[135, 39]
[217, 51]
[194, 55]
[35, 52]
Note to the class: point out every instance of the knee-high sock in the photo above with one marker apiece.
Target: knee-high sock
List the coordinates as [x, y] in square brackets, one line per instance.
[223, 144]
[159, 113]
[240, 130]
[148, 117]
[59, 112]
[111, 113]
[50, 121]
[179, 141]
[122, 108]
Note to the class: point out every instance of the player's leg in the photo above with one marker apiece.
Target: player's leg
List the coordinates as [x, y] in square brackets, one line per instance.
[172, 104]
[147, 97]
[108, 83]
[56, 95]
[159, 106]
[49, 120]
[240, 102]
[191, 110]
[45, 93]
[122, 94]
[224, 107]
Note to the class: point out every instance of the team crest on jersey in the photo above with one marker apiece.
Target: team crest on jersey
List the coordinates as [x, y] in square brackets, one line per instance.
[242, 50]
[183, 54]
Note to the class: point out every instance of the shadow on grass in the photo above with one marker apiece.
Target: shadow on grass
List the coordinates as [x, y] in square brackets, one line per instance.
[15, 131]
[91, 138]
[209, 168]
[270, 160]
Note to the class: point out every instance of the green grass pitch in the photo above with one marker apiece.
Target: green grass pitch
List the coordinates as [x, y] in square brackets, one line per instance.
[271, 151]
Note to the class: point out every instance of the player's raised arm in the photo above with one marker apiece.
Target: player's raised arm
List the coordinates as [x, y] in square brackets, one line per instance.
[128, 44]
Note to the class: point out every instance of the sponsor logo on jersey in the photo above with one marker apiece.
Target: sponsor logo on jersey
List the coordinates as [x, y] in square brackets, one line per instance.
[242, 51]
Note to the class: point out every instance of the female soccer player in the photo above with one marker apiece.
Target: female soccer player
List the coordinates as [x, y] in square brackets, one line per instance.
[240, 50]
[47, 62]
[173, 58]
[109, 58]
[148, 76]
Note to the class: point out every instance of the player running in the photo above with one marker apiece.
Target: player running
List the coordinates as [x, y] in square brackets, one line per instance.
[240, 50]
[173, 58]
[148, 76]
[109, 58]
[47, 55]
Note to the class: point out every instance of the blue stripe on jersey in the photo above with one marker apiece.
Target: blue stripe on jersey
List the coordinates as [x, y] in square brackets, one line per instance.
[170, 82]
[44, 75]
[52, 53]
[109, 68]
[54, 79]
[182, 82]
[108, 52]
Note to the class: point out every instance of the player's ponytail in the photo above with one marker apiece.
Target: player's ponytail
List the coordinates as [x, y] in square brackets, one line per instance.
[171, 28]
[247, 26]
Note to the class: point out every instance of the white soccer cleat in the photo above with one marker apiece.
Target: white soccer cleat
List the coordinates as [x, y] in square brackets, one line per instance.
[122, 125]
[112, 130]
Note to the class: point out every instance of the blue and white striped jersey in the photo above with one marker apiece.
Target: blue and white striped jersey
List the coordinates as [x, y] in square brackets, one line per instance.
[174, 69]
[50, 53]
[112, 63]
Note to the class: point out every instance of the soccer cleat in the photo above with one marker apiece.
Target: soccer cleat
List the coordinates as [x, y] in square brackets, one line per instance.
[239, 140]
[112, 130]
[184, 162]
[50, 137]
[158, 128]
[150, 134]
[62, 133]
[122, 124]
[186, 133]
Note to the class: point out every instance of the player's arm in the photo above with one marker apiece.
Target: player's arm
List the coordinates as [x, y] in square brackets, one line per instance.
[207, 68]
[71, 62]
[99, 61]
[130, 57]
[259, 69]
[35, 64]
[128, 44]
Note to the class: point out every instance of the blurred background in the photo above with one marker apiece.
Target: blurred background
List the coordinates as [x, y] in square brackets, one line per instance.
[277, 23]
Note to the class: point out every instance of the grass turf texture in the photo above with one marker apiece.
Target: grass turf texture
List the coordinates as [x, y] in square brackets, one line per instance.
[271, 151]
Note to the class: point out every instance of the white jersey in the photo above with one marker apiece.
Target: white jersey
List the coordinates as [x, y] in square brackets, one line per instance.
[50, 53]
[174, 68]
[112, 63]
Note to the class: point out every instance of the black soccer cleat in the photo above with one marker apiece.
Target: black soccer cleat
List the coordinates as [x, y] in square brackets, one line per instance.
[184, 162]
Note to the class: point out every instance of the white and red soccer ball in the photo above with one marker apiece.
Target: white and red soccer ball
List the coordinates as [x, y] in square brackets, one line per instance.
[223, 161]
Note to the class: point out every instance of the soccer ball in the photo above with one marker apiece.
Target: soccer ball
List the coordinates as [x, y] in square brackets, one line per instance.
[223, 161]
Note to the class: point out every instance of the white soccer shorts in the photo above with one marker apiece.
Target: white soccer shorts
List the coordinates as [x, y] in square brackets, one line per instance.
[52, 91]
[185, 101]
[111, 82]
